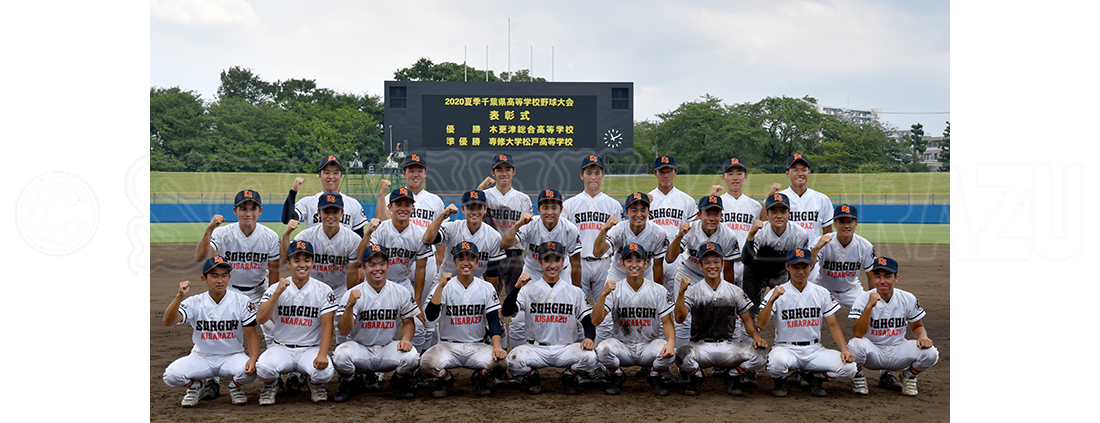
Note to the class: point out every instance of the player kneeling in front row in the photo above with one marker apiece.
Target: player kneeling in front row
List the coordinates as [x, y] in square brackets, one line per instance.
[881, 316]
[552, 312]
[640, 313]
[714, 306]
[798, 307]
[301, 308]
[220, 320]
[368, 315]
[463, 308]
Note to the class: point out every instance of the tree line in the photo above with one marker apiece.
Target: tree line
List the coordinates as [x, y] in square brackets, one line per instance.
[283, 126]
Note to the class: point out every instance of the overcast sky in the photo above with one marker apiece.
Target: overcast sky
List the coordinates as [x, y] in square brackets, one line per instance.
[892, 56]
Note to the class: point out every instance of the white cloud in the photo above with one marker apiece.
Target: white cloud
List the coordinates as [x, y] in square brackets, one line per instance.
[204, 12]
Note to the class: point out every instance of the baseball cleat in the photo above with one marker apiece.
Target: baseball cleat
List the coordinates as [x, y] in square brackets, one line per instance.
[317, 392]
[616, 380]
[370, 382]
[642, 372]
[294, 383]
[443, 385]
[888, 381]
[533, 382]
[859, 383]
[779, 388]
[569, 382]
[909, 383]
[803, 379]
[733, 385]
[658, 383]
[815, 386]
[481, 384]
[194, 391]
[267, 394]
[695, 384]
[748, 380]
[211, 388]
[236, 394]
[346, 390]
[402, 385]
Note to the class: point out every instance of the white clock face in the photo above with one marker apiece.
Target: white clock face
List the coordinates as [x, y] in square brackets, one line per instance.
[612, 138]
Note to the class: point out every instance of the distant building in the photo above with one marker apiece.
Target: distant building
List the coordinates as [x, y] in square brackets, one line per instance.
[857, 116]
[932, 152]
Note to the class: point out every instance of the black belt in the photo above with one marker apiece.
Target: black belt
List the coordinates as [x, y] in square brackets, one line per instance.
[513, 253]
[292, 345]
[592, 258]
[714, 340]
[244, 288]
[801, 343]
[451, 340]
[537, 343]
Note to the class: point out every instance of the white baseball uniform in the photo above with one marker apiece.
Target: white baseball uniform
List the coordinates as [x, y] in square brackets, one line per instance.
[425, 206]
[668, 211]
[486, 239]
[768, 267]
[218, 337]
[589, 214]
[372, 344]
[884, 346]
[838, 268]
[297, 331]
[506, 209]
[638, 334]
[812, 210]
[715, 315]
[248, 254]
[553, 315]
[354, 218]
[798, 317]
[530, 236]
[689, 264]
[405, 248]
[332, 257]
[462, 329]
[652, 238]
[739, 214]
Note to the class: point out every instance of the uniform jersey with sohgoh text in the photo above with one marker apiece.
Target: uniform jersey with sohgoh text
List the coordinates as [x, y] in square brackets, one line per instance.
[425, 206]
[463, 308]
[715, 312]
[552, 313]
[689, 247]
[377, 314]
[218, 326]
[248, 254]
[636, 315]
[812, 210]
[505, 210]
[589, 215]
[652, 238]
[486, 239]
[889, 319]
[669, 210]
[405, 248]
[534, 233]
[798, 314]
[297, 316]
[354, 217]
[739, 213]
[331, 256]
[838, 267]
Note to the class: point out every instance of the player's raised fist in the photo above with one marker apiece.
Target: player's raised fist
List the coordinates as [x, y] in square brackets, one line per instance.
[374, 222]
[291, 226]
[873, 299]
[184, 287]
[354, 296]
[756, 226]
[525, 219]
[451, 210]
[488, 182]
[684, 228]
[824, 240]
[684, 283]
[608, 287]
[298, 184]
[715, 189]
[523, 279]
[778, 291]
[283, 284]
[215, 221]
[443, 278]
[385, 184]
[611, 221]
[774, 188]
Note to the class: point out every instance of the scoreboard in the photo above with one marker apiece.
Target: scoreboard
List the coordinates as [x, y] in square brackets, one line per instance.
[547, 127]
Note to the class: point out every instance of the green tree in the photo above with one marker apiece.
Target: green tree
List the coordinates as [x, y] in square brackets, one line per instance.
[945, 147]
[852, 148]
[425, 70]
[703, 133]
[918, 144]
[179, 127]
[522, 75]
[791, 124]
[241, 83]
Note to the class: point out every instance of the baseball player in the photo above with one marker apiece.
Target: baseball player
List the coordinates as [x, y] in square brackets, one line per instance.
[685, 247]
[553, 312]
[463, 308]
[798, 308]
[369, 315]
[253, 251]
[589, 210]
[637, 308]
[669, 208]
[505, 208]
[530, 236]
[739, 211]
[220, 320]
[472, 230]
[766, 247]
[407, 252]
[838, 261]
[881, 316]
[307, 210]
[335, 259]
[810, 209]
[716, 305]
[426, 207]
[301, 308]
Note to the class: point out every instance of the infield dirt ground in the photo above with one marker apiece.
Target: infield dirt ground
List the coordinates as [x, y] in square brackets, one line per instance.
[925, 271]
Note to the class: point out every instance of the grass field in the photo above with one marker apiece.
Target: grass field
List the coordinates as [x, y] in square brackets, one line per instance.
[878, 188]
[876, 233]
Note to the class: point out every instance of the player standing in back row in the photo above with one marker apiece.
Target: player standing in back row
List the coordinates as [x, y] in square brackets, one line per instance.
[739, 211]
[426, 207]
[306, 210]
[669, 207]
[588, 210]
[811, 210]
[505, 208]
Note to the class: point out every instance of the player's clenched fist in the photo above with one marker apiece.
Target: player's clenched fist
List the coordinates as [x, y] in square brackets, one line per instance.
[250, 366]
[488, 182]
[184, 287]
[611, 221]
[873, 299]
[847, 357]
[374, 222]
[924, 343]
[778, 291]
[215, 221]
[283, 284]
[756, 226]
[525, 219]
[775, 188]
[499, 353]
[684, 283]
[668, 350]
[588, 344]
[608, 287]
[523, 279]
[404, 346]
[684, 228]
[451, 210]
[321, 362]
[446, 276]
[824, 240]
[298, 184]
[354, 296]
[385, 184]
[715, 189]
[291, 226]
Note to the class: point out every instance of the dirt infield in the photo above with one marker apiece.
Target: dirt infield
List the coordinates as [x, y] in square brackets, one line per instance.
[925, 271]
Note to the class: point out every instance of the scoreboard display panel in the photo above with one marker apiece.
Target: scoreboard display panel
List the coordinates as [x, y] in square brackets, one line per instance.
[547, 127]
